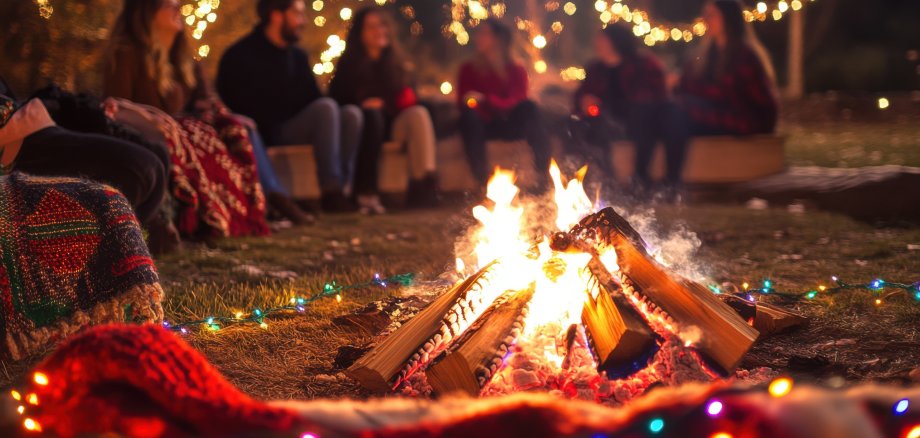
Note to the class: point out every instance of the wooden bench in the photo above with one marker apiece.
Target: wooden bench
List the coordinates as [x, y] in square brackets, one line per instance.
[710, 160]
[296, 167]
[713, 160]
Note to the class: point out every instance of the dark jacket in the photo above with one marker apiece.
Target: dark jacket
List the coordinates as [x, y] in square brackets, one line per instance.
[738, 101]
[638, 81]
[356, 81]
[265, 82]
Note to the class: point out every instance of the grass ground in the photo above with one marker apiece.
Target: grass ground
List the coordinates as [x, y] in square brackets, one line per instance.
[293, 357]
[854, 144]
[849, 337]
[794, 250]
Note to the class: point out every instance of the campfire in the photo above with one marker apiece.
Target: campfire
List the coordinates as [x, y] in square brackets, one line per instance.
[580, 308]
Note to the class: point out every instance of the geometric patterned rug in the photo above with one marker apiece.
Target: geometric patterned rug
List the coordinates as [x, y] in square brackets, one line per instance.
[72, 254]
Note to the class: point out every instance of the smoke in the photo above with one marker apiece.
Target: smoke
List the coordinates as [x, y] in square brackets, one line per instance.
[676, 247]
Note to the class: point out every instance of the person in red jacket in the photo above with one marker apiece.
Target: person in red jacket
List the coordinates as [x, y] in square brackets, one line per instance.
[372, 75]
[624, 96]
[492, 94]
[728, 87]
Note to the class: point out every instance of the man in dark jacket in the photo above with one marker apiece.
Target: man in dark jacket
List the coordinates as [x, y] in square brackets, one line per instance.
[268, 78]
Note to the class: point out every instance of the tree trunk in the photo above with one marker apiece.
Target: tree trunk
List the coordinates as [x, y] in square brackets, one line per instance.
[795, 81]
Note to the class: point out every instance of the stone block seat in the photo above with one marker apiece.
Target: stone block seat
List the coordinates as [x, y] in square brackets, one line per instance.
[710, 160]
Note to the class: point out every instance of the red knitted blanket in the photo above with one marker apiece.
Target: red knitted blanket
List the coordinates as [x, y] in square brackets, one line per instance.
[144, 381]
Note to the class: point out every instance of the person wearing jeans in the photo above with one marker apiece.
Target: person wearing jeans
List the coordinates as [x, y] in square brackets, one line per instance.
[624, 96]
[522, 121]
[32, 142]
[268, 78]
[275, 193]
[371, 74]
[492, 92]
[334, 133]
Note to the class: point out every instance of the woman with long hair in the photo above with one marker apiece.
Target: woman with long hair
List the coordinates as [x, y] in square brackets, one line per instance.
[624, 96]
[729, 87]
[153, 78]
[492, 95]
[372, 74]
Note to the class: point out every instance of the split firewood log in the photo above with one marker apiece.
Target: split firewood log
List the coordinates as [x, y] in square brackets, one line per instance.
[425, 335]
[478, 353]
[690, 309]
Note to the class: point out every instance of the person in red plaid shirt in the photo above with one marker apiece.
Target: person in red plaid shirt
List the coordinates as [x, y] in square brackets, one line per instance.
[492, 96]
[728, 87]
[624, 96]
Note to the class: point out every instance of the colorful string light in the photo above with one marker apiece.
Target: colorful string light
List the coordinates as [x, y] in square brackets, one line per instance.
[713, 408]
[331, 289]
[911, 289]
[780, 387]
[297, 305]
[901, 406]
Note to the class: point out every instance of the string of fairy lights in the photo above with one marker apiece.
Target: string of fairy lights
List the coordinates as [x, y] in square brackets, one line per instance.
[467, 14]
[297, 304]
[877, 286]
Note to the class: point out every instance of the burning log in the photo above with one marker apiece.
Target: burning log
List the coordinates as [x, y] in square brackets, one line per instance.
[620, 340]
[691, 309]
[424, 336]
[766, 318]
[771, 319]
[477, 355]
[618, 337]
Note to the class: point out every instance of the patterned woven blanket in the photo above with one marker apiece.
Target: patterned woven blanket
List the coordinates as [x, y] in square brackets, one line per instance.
[71, 254]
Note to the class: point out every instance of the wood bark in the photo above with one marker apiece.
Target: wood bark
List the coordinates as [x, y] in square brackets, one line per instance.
[478, 354]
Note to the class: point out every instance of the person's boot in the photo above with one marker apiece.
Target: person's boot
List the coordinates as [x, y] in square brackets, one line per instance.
[424, 193]
[285, 206]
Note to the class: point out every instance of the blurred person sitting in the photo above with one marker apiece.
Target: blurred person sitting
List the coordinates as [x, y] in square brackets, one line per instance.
[624, 96]
[372, 74]
[492, 95]
[32, 142]
[215, 180]
[728, 87]
[267, 77]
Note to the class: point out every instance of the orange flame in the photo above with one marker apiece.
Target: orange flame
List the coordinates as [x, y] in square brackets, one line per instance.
[572, 203]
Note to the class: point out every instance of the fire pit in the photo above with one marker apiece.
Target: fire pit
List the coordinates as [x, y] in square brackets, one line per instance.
[579, 308]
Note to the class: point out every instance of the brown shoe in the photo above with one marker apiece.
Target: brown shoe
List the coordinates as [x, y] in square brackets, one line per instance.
[286, 207]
